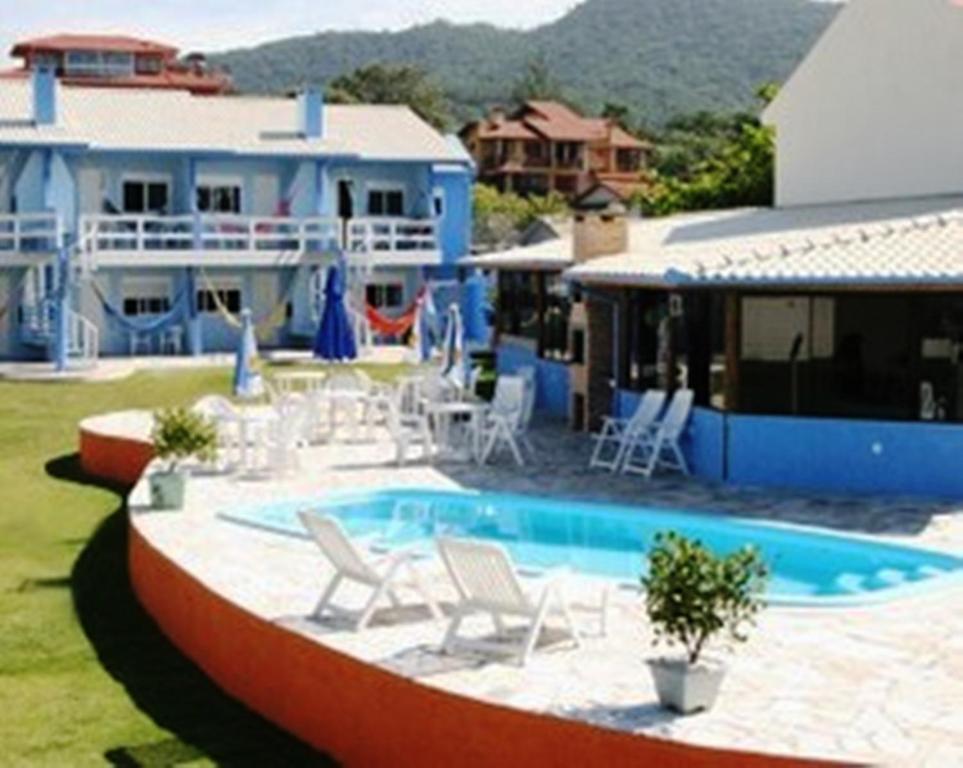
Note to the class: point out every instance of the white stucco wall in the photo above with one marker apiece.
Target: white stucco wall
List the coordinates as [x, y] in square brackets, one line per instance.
[876, 110]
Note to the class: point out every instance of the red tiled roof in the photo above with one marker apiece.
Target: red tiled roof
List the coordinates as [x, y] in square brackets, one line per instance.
[505, 129]
[199, 83]
[70, 42]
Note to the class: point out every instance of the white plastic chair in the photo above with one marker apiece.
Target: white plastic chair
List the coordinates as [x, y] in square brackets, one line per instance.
[617, 435]
[658, 447]
[227, 418]
[504, 420]
[407, 429]
[486, 582]
[383, 576]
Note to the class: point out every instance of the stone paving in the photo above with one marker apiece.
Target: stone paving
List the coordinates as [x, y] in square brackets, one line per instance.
[880, 684]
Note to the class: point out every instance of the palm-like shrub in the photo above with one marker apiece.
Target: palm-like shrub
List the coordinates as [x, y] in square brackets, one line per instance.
[692, 594]
[180, 434]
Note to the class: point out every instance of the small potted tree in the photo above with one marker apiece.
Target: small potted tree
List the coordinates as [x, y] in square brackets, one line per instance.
[179, 434]
[692, 596]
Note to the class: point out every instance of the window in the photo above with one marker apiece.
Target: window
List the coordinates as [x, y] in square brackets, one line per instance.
[229, 297]
[643, 331]
[438, 203]
[384, 295]
[146, 196]
[147, 297]
[99, 63]
[219, 198]
[386, 202]
[148, 65]
[517, 300]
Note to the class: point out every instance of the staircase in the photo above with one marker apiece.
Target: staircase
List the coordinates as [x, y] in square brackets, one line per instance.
[38, 320]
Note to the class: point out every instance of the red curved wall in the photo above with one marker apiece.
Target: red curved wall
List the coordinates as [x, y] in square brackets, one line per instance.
[121, 459]
[360, 714]
[366, 716]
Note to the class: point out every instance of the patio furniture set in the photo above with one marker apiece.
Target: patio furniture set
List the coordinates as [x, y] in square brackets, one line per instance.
[424, 411]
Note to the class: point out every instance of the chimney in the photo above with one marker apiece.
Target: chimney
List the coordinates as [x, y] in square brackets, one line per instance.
[600, 233]
[311, 113]
[44, 81]
[497, 115]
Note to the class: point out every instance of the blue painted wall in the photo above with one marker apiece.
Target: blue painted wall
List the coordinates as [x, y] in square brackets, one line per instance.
[704, 440]
[838, 455]
[551, 377]
[455, 185]
[850, 456]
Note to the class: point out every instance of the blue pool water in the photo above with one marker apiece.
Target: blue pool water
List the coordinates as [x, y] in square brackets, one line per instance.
[611, 541]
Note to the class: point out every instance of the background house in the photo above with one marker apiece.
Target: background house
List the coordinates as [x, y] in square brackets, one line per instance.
[117, 61]
[545, 146]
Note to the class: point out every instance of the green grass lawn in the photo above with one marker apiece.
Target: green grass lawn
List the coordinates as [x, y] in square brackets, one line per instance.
[85, 676]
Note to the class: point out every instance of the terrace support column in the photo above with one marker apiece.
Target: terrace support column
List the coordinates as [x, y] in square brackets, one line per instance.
[733, 348]
[61, 350]
[195, 334]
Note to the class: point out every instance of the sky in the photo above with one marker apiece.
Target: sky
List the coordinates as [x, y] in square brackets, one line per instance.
[219, 24]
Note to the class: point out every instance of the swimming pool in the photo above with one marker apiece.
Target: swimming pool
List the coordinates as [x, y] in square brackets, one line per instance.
[807, 567]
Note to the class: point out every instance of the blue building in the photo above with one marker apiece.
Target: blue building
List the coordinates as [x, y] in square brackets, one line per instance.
[143, 221]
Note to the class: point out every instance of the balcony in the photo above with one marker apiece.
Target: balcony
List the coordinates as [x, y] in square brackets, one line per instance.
[26, 234]
[230, 240]
[392, 241]
[218, 240]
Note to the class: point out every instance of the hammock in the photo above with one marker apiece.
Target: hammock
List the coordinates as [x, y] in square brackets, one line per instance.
[264, 326]
[393, 326]
[150, 326]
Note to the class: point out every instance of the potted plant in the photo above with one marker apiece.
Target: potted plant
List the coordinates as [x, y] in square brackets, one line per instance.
[178, 435]
[693, 595]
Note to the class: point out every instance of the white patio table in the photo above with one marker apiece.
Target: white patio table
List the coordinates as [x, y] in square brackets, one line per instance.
[443, 416]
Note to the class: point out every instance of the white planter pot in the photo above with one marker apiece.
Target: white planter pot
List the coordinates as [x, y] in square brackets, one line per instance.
[685, 687]
[167, 489]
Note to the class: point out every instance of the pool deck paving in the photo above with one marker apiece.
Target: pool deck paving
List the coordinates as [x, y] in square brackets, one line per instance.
[880, 683]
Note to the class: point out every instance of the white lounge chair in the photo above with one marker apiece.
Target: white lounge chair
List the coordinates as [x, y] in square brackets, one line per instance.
[617, 434]
[503, 422]
[486, 582]
[659, 446]
[383, 576]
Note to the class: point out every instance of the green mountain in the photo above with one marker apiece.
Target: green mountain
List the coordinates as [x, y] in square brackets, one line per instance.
[658, 57]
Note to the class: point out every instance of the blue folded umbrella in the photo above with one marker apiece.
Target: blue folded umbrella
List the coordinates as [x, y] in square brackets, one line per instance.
[335, 337]
[247, 381]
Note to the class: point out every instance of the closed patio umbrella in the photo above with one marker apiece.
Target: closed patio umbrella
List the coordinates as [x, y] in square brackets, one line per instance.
[453, 363]
[335, 337]
[247, 381]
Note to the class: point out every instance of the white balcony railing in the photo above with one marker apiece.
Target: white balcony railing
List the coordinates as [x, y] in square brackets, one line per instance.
[29, 232]
[106, 234]
[107, 237]
[374, 235]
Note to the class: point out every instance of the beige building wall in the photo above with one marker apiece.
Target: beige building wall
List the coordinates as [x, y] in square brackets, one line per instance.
[876, 109]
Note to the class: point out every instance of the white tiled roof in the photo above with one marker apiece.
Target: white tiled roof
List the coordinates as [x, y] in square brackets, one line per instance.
[549, 255]
[909, 242]
[165, 120]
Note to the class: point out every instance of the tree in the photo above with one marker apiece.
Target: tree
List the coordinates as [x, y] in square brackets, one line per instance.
[618, 113]
[392, 84]
[536, 83]
[501, 216]
[727, 162]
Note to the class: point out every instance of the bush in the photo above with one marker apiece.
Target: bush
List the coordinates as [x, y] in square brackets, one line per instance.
[179, 434]
[693, 595]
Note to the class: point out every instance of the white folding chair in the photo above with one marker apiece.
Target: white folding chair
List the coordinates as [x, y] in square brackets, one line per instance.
[226, 417]
[616, 435]
[486, 582]
[383, 576]
[503, 421]
[659, 445]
